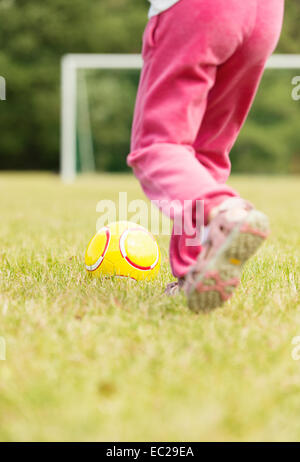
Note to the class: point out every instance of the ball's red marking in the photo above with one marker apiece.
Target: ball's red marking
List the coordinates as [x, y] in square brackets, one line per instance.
[123, 251]
[99, 262]
[135, 265]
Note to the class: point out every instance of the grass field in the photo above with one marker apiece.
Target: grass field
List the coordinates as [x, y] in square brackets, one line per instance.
[115, 360]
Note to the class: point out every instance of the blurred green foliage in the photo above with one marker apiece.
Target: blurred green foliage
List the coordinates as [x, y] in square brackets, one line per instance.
[34, 35]
[270, 140]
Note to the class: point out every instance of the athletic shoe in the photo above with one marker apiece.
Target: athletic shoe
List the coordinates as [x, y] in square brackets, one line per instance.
[235, 233]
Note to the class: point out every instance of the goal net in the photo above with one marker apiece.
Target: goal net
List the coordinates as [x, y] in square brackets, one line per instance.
[97, 100]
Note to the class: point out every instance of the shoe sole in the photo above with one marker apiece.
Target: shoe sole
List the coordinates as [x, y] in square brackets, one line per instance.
[222, 275]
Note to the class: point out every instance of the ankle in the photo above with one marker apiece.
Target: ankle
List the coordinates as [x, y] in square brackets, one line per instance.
[236, 205]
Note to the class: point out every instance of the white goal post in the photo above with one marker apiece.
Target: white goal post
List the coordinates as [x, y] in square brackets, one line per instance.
[69, 66]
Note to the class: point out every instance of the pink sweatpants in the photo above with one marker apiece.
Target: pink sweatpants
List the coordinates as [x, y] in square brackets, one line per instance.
[203, 61]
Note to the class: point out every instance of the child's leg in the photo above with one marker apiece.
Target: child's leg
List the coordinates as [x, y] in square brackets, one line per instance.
[186, 51]
[228, 104]
[235, 87]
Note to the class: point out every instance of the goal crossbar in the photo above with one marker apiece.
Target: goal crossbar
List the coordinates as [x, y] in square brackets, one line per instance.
[72, 62]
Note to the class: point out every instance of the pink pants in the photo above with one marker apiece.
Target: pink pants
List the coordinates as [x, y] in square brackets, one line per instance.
[203, 61]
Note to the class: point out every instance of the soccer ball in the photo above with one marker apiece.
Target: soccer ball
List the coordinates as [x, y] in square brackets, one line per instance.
[123, 249]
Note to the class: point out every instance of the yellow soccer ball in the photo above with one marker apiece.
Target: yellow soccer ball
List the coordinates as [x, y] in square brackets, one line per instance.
[123, 249]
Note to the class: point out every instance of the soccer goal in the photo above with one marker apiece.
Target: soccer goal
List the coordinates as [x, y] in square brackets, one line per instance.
[76, 128]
